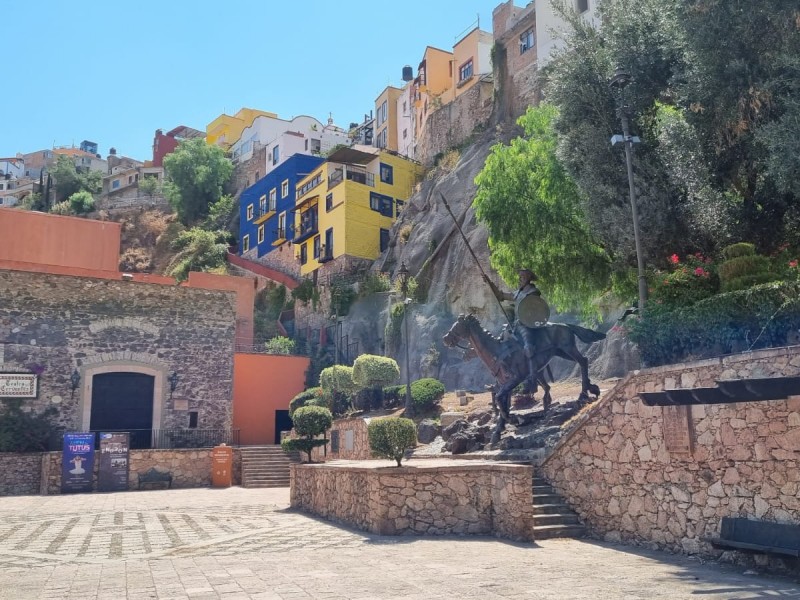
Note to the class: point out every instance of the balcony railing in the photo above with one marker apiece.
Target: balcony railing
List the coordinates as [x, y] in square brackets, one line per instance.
[309, 225]
[351, 173]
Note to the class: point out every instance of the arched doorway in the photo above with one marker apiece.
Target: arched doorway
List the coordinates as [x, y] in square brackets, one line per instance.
[123, 401]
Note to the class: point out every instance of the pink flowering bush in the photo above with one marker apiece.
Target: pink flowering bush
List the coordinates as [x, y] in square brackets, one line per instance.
[691, 279]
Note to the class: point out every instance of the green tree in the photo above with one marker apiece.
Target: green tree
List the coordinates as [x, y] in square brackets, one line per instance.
[196, 173]
[309, 422]
[280, 345]
[221, 214]
[533, 211]
[391, 437]
[81, 202]
[149, 186]
[69, 181]
[197, 250]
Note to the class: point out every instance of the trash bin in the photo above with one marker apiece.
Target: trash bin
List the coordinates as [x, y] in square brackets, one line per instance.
[221, 466]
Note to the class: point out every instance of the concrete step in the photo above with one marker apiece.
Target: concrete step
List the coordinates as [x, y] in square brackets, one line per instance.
[556, 519]
[267, 485]
[546, 532]
[547, 499]
[543, 489]
[551, 509]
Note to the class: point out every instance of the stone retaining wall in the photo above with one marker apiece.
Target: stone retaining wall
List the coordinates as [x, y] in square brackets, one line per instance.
[623, 471]
[433, 498]
[23, 474]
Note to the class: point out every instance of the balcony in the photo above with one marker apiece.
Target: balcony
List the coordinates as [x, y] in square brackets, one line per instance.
[309, 226]
[325, 255]
[351, 173]
[264, 215]
[281, 236]
[308, 186]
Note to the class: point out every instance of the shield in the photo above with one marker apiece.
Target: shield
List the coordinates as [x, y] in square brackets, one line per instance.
[533, 311]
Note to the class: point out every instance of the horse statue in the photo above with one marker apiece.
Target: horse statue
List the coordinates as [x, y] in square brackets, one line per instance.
[507, 362]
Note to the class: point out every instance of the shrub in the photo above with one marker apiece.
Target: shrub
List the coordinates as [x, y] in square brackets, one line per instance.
[371, 371]
[62, 208]
[690, 281]
[763, 316]
[374, 283]
[737, 250]
[342, 296]
[22, 431]
[309, 422]
[81, 202]
[426, 392]
[405, 233]
[391, 437]
[338, 378]
[309, 397]
[280, 345]
[394, 395]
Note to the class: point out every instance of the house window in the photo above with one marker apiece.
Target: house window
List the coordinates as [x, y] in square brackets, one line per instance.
[329, 202]
[115, 184]
[465, 72]
[273, 198]
[329, 242]
[282, 226]
[262, 204]
[276, 155]
[381, 139]
[526, 41]
[285, 188]
[260, 233]
[380, 203]
[258, 175]
[246, 243]
[303, 254]
[383, 113]
[193, 419]
[387, 174]
[317, 244]
[384, 241]
[582, 6]
[316, 146]
[249, 212]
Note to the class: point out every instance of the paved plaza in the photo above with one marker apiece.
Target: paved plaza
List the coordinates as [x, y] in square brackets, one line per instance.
[246, 543]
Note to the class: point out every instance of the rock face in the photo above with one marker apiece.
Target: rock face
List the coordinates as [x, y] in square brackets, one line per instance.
[427, 431]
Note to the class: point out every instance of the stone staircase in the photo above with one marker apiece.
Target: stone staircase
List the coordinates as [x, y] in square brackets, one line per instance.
[266, 466]
[552, 517]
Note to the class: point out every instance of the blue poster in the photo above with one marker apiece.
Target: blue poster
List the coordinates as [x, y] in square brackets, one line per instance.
[77, 463]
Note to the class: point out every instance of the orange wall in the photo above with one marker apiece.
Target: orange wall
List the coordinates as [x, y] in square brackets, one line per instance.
[34, 237]
[262, 384]
[245, 288]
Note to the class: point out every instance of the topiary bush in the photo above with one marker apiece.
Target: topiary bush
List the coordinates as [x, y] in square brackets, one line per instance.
[391, 437]
[743, 268]
[371, 374]
[425, 393]
[309, 422]
[394, 395]
[338, 388]
[309, 397]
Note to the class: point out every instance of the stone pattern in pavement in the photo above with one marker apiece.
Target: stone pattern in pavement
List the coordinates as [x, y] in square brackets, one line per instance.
[245, 543]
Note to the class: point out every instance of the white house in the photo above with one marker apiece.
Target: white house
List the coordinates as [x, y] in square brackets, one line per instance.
[551, 29]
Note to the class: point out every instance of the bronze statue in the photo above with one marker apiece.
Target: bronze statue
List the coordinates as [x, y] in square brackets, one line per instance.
[509, 364]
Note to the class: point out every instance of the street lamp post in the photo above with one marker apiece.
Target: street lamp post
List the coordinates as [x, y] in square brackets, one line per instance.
[403, 274]
[620, 81]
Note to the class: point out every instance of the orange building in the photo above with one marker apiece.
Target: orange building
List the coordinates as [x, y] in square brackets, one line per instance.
[263, 386]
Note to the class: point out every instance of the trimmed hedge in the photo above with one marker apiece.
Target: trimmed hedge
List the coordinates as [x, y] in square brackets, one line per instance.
[338, 378]
[309, 397]
[309, 422]
[763, 316]
[426, 392]
[391, 437]
[372, 371]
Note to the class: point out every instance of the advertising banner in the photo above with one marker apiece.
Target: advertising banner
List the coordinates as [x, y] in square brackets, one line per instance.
[114, 461]
[77, 463]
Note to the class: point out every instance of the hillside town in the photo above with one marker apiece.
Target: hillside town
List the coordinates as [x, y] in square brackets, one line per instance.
[538, 310]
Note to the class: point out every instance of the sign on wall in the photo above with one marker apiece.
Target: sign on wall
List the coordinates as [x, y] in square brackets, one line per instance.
[112, 475]
[77, 463]
[678, 430]
[18, 385]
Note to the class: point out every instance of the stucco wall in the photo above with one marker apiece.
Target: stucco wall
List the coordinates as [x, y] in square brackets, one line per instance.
[440, 498]
[617, 471]
[56, 324]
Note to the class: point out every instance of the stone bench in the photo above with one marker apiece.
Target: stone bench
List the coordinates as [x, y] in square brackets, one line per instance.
[758, 536]
[153, 475]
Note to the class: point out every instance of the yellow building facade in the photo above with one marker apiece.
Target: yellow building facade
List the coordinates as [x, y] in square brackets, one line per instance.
[347, 206]
[471, 58]
[433, 85]
[386, 118]
[226, 130]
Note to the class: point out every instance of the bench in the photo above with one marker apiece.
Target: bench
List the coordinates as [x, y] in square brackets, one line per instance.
[153, 475]
[758, 536]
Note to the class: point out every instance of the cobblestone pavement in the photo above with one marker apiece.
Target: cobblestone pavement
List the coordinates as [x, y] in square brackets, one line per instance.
[240, 543]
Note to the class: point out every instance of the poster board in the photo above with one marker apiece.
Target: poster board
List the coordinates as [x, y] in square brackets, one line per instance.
[114, 468]
[77, 463]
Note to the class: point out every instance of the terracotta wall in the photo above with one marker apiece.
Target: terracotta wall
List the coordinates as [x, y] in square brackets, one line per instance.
[262, 384]
[32, 237]
[245, 288]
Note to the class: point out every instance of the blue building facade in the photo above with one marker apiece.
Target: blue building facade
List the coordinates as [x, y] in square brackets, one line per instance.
[266, 208]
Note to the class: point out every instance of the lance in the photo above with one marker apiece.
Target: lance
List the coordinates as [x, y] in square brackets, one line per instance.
[477, 262]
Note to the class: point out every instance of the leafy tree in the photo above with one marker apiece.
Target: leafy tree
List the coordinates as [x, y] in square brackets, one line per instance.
[280, 345]
[309, 422]
[221, 213]
[337, 384]
[371, 371]
[391, 437]
[22, 431]
[196, 173]
[149, 186]
[81, 202]
[309, 397]
[198, 250]
[535, 217]
[69, 181]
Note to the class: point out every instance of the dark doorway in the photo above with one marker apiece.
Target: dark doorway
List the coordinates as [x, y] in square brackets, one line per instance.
[283, 422]
[124, 402]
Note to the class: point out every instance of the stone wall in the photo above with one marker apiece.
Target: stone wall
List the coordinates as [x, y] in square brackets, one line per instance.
[442, 497]
[453, 123]
[665, 476]
[247, 172]
[55, 324]
[30, 474]
[353, 441]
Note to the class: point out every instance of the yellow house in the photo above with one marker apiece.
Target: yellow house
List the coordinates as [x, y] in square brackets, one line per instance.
[347, 205]
[386, 118]
[226, 130]
[433, 85]
[471, 59]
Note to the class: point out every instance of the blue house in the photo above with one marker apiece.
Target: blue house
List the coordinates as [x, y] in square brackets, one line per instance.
[266, 208]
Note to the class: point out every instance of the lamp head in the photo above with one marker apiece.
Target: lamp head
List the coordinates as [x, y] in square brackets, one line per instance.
[620, 79]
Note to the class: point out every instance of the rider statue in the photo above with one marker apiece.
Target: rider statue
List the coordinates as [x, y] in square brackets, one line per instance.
[531, 314]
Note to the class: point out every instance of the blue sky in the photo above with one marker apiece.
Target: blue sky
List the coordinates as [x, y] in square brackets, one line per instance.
[113, 73]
